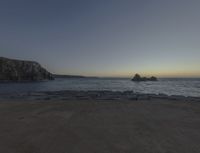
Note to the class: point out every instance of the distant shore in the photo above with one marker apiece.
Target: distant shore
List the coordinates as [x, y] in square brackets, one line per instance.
[72, 76]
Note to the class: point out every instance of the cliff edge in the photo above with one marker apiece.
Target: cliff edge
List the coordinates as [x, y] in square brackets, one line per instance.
[19, 70]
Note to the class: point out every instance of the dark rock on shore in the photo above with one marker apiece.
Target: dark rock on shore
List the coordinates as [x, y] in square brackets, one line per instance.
[138, 78]
[18, 70]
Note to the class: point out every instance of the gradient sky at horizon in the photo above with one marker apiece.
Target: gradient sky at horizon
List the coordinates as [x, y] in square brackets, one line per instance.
[104, 37]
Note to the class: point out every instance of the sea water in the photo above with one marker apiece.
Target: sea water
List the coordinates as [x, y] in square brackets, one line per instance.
[168, 86]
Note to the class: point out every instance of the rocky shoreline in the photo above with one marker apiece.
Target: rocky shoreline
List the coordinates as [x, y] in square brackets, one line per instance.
[94, 95]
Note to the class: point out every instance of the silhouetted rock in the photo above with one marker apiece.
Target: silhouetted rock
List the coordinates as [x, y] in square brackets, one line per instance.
[153, 78]
[138, 78]
[17, 70]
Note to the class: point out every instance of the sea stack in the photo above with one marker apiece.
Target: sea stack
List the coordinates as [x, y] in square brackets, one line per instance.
[19, 70]
[138, 78]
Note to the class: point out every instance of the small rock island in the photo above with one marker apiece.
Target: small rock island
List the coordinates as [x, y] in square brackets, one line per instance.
[19, 70]
[138, 78]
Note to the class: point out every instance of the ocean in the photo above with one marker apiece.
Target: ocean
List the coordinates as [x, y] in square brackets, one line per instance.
[168, 86]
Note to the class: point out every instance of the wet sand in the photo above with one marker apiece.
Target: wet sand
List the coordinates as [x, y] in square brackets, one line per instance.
[99, 126]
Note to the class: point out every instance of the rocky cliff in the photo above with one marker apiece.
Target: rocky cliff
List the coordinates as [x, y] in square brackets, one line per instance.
[17, 70]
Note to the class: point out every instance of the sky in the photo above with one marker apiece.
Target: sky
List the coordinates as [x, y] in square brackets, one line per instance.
[116, 38]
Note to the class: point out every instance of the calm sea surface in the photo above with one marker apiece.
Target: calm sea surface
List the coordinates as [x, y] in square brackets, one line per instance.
[185, 87]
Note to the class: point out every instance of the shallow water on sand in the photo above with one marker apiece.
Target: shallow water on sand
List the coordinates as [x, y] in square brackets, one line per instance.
[185, 87]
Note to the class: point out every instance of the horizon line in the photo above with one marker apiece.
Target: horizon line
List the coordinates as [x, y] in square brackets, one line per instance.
[94, 76]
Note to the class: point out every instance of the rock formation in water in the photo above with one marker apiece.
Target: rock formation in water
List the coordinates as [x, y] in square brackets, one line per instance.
[18, 70]
[138, 78]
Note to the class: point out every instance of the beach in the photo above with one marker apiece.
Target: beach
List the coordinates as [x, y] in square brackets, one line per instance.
[114, 76]
[44, 123]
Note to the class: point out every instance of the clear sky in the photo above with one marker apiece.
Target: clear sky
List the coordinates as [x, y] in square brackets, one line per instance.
[104, 37]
